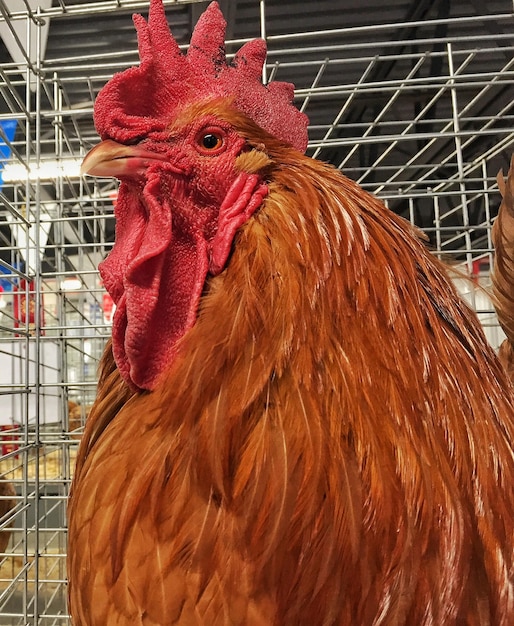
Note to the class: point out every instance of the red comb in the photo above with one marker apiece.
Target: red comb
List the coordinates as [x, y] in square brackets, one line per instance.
[146, 98]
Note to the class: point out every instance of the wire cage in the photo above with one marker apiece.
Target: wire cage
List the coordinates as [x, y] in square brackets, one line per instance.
[417, 108]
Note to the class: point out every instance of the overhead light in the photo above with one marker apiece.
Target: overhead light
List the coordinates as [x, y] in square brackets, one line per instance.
[46, 170]
[71, 284]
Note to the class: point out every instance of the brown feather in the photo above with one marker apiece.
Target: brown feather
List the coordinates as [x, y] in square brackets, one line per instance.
[333, 445]
[503, 274]
[7, 504]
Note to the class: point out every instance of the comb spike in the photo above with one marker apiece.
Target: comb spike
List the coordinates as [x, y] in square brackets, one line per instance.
[282, 90]
[160, 30]
[143, 38]
[154, 36]
[250, 58]
[207, 48]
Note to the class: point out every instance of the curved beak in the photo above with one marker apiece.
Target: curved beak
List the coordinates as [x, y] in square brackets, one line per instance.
[110, 158]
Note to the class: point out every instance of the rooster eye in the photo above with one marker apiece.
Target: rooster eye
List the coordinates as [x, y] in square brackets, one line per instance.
[211, 141]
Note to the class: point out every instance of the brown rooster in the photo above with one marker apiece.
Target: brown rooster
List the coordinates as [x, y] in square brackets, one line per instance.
[298, 422]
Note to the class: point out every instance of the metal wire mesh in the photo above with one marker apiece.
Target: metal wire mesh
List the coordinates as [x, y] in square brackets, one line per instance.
[423, 122]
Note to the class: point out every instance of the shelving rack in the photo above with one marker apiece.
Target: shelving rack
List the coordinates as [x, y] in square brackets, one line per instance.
[420, 112]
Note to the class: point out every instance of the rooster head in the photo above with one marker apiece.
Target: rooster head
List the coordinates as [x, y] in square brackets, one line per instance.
[175, 132]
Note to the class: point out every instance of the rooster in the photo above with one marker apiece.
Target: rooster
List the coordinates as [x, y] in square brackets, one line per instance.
[298, 421]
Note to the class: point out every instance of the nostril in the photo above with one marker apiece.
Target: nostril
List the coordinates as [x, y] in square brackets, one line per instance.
[135, 140]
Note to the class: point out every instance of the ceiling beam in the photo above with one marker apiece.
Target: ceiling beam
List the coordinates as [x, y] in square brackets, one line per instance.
[22, 43]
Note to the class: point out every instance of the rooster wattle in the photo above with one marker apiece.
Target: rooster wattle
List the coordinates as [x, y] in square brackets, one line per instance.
[298, 421]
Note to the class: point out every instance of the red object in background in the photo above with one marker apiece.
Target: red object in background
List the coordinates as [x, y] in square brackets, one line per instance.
[26, 304]
[480, 267]
[108, 308]
[10, 438]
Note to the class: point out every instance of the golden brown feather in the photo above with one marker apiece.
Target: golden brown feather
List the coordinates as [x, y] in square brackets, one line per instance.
[333, 445]
[7, 503]
[503, 274]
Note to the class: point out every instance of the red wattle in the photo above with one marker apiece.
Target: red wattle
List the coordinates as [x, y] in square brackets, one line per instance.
[242, 199]
[157, 268]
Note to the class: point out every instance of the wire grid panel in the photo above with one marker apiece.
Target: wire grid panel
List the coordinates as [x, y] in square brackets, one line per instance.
[52, 332]
[32, 494]
[423, 122]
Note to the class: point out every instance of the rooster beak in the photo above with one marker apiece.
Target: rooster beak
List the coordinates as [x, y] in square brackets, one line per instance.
[110, 158]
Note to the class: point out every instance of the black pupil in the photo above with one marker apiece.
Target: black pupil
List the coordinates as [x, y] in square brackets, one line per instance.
[210, 141]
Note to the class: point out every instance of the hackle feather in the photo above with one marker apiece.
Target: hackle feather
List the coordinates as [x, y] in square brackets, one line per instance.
[503, 272]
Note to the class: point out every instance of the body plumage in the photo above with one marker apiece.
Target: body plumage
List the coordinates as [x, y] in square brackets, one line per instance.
[333, 444]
